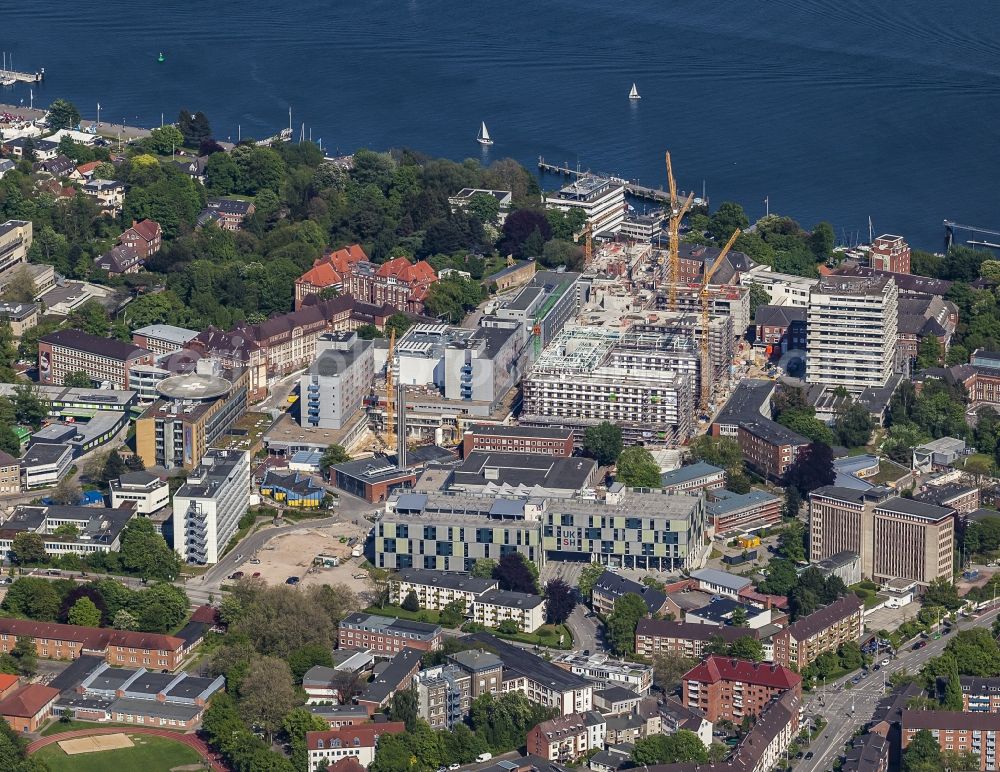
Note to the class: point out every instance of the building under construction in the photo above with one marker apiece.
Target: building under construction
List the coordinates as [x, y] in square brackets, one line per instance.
[587, 375]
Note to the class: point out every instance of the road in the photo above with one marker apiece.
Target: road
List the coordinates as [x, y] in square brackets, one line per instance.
[847, 709]
[584, 629]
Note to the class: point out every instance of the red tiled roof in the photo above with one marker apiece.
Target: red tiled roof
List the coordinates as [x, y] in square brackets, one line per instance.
[86, 168]
[148, 230]
[343, 259]
[28, 701]
[717, 668]
[403, 270]
[7, 680]
[365, 734]
[94, 638]
[321, 275]
[205, 614]
[346, 764]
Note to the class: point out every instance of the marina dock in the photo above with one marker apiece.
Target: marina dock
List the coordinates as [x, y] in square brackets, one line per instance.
[950, 226]
[24, 77]
[632, 187]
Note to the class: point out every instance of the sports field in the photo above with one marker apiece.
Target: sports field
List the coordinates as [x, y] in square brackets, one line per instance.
[148, 754]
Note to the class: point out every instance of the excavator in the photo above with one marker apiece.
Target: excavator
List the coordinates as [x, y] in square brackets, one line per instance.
[706, 360]
[677, 212]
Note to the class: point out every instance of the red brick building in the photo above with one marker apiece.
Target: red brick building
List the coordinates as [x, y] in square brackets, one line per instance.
[653, 636]
[976, 733]
[495, 438]
[144, 237]
[103, 359]
[732, 689]
[28, 707]
[801, 642]
[768, 447]
[118, 647]
[397, 283]
[890, 253]
[387, 636]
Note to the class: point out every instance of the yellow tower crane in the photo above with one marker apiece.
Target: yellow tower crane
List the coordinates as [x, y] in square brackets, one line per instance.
[677, 212]
[390, 429]
[706, 360]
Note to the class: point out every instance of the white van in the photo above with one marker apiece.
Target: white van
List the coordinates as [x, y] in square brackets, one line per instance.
[484, 757]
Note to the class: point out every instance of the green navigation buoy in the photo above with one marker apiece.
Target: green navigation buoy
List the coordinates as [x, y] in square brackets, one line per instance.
[161, 58]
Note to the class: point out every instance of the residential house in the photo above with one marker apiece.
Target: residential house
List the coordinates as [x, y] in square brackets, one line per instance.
[494, 607]
[119, 260]
[109, 194]
[734, 689]
[145, 237]
[436, 589]
[610, 586]
[333, 745]
[824, 630]
[59, 166]
[387, 636]
[228, 213]
[567, 738]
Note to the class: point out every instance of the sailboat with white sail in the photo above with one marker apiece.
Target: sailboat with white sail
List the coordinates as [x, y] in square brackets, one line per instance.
[484, 136]
[634, 93]
[6, 79]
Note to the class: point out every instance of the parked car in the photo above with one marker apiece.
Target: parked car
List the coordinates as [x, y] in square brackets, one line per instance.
[919, 645]
[236, 575]
[293, 580]
[885, 661]
[255, 561]
[256, 575]
[809, 755]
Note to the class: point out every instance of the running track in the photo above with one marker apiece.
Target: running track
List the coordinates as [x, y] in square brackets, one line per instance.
[191, 740]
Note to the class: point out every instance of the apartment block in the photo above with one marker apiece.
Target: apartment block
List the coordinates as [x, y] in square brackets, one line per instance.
[825, 630]
[494, 607]
[103, 359]
[436, 589]
[728, 511]
[98, 529]
[10, 473]
[980, 695]
[655, 636]
[386, 636]
[567, 738]
[852, 331]
[445, 693]
[208, 507]
[539, 680]
[147, 492]
[975, 733]
[15, 241]
[897, 538]
[601, 200]
[733, 689]
[500, 438]
[610, 586]
[333, 388]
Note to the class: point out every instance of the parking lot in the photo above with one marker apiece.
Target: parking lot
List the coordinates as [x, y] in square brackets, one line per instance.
[293, 553]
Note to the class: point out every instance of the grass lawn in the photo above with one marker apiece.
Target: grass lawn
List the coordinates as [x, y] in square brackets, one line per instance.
[150, 754]
[551, 640]
[58, 727]
[888, 472]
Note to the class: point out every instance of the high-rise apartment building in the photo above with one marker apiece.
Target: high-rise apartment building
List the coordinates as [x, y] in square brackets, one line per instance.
[852, 331]
[334, 386]
[208, 507]
[896, 538]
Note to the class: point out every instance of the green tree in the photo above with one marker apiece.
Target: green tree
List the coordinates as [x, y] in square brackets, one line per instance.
[484, 208]
[26, 655]
[850, 655]
[941, 592]
[78, 379]
[804, 422]
[399, 322]
[63, 115]
[28, 408]
[637, 468]
[669, 668]
[812, 468]
[305, 657]
[410, 602]
[923, 754]
[759, 296]
[163, 141]
[452, 614]
[603, 442]
[680, 747]
[560, 600]
[334, 454]
[929, 352]
[404, 707]
[854, 425]
[626, 613]
[28, 549]
[588, 578]
[821, 241]
[514, 572]
[68, 530]
[726, 219]
[145, 552]
[294, 726]
[747, 647]
[85, 613]
[792, 541]
[266, 693]
[194, 128]
[483, 568]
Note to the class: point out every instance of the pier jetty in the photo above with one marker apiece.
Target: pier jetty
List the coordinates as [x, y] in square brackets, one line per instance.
[24, 77]
[992, 241]
[632, 187]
